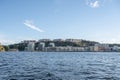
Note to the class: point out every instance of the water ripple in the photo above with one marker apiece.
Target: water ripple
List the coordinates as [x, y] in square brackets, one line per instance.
[59, 66]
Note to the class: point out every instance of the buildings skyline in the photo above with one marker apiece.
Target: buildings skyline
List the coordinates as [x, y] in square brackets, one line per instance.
[56, 40]
[94, 47]
[63, 45]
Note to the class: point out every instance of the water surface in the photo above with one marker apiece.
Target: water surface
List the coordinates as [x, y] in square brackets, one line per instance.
[59, 66]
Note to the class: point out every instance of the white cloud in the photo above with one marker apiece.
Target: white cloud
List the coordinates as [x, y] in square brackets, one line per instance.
[93, 4]
[97, 3]
[32, 26]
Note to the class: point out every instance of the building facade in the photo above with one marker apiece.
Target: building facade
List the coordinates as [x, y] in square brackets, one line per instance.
[73, 40]
[31, 47]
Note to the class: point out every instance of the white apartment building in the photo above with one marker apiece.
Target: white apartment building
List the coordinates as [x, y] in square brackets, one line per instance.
[31, 47]
[52, 44]
[65, 49]
[102, 47]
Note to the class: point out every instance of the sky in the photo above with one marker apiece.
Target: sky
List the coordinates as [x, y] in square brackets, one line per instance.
[95, 20]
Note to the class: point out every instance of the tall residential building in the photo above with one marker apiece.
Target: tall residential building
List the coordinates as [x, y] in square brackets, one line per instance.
[31, 46]
[41, 46]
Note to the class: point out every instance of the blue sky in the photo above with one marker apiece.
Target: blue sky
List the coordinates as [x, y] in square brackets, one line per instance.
[97, 20]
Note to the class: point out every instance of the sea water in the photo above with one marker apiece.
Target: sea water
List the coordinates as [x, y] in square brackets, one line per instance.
[59, 66]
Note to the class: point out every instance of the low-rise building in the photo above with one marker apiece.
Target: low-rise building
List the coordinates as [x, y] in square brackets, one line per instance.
[50, 49]
[28, 41]
[44, 40]
[91, 48]
[78, 49]
[73, 40]
[65, 49]
[51, 44]
[102, 47]
[115, 48]
[13, 50]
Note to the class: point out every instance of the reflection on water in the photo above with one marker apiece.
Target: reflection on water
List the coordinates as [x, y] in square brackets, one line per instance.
[59, 66]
